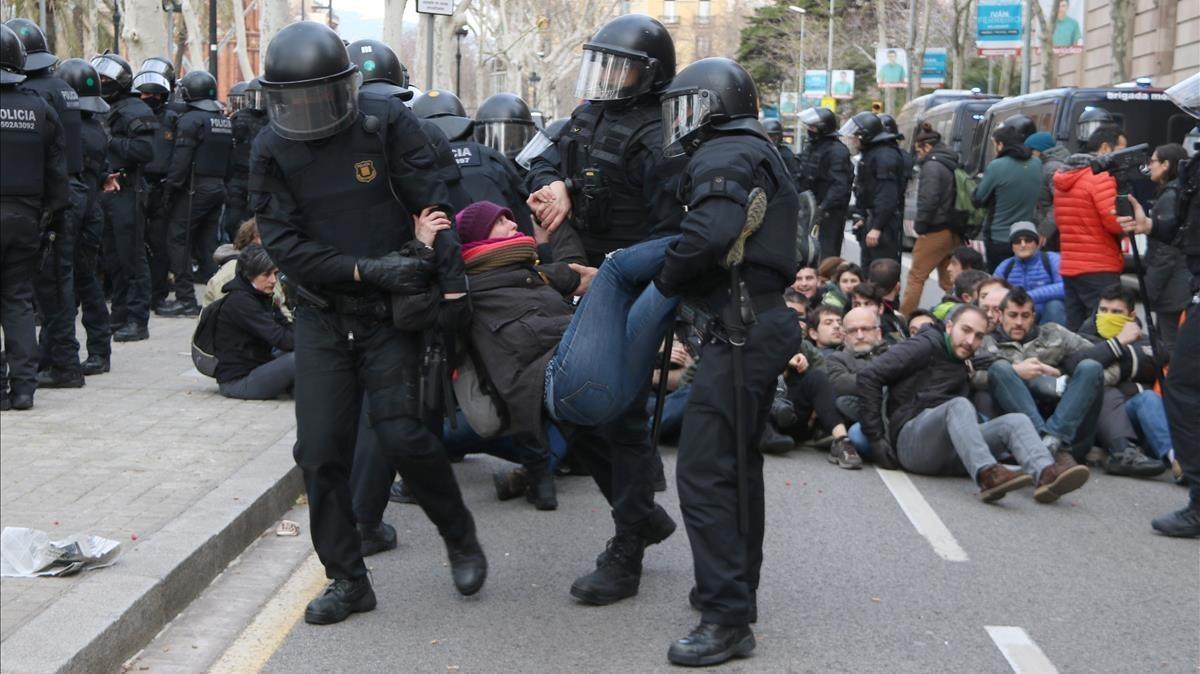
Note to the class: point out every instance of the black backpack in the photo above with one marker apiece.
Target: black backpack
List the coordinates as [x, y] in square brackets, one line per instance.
[204, 339]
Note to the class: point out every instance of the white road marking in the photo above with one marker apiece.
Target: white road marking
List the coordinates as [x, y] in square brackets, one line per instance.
[922, 516]
[1022, 654]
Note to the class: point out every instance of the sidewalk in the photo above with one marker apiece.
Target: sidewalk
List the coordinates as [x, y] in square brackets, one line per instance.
[149, 455]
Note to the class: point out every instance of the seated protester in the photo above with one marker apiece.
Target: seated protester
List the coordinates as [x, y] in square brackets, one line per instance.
[1036, 271]
[826, 269]
[253, 340]
[934, 430]
[990, 293]
[868, 295]
[807, 284]
[804, 393]
[966, 288]
[1132, 408]
[825, 328]
[918, 319]
[837, 291]
[1019, 363]
[964, 258]
[885, 275]
[797, 302]
[863, 343]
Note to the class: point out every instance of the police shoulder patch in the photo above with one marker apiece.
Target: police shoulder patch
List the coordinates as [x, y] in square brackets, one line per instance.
[364, 171]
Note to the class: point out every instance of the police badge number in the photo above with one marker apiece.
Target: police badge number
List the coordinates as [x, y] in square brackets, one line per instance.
[364, 171]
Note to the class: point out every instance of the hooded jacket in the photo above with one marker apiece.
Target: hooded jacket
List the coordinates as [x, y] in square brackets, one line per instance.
[935, 190]
[1009, 188]
[249, 327]
[1135, 362]
[1089, 235]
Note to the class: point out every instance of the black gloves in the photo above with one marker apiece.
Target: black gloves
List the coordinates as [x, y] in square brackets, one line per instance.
[396, 273]
[783, 413]
[883, 454]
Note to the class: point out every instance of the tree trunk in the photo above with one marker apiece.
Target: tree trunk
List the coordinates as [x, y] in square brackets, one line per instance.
[961, 41]
[393, 23]
[1007, 65]
[195, 37]
[91, 20]
[1046, 25]
[142, 31]
[239, 29]
[272, 15]
[1122, 36]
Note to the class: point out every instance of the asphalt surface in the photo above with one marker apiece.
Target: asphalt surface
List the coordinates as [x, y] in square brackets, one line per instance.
[849, 585]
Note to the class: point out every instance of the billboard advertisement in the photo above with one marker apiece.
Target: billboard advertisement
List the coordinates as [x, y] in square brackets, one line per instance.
[1067, 17]
[843, 84]
[998, 27]
[891, 68]
[815, 83]
[933, 68]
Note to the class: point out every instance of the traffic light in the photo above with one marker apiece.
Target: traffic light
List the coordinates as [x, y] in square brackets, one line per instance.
[876, 107]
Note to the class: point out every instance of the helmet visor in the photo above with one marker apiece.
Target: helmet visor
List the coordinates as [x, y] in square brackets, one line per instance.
[610, 77]
[535, 147]
[683, 115]
[107, 68]
[1083, 130]
[149, 82]
[1186, 95]
[236, 102]
[253, 99]
[505, 137]
[313, 111]
[850, 128]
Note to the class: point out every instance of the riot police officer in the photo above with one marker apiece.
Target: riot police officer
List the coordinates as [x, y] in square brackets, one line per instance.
[487, 174]
[829, 174]
[131, 125]
[504, 123]
[33, 189]
[54, 287]
[775, 133]
[734, 259]
[878, 185]
[195, 185]
[333, 190]
[248, 116]
[542, 140]
[608, 173]
[155, 82]
[85, 218]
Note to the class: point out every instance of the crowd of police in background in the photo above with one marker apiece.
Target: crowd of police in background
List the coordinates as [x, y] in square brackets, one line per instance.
[129, 187]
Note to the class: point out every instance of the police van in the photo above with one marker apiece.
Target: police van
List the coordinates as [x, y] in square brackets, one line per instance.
[909, 119]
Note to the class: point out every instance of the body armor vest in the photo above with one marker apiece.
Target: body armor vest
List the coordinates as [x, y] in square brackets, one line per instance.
[246, 125]
[95, 147]
[65, 101]
[164, 141]
[25, 135]
[214, 145]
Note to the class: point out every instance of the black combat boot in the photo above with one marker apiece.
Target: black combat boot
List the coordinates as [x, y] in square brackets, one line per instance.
[539, 489]
[55, 377]
[95, 365]
[618, 572]
[131, 333]
[468, 566]
[376, 538]
[712, 644]
[343, 597]
[510, 484]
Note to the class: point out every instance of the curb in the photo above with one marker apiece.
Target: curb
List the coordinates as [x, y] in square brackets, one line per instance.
[113, 614]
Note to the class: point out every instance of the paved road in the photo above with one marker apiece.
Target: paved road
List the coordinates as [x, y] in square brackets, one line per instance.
[849, 584]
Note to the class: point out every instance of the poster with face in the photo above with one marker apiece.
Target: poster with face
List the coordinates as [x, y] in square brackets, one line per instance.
[891, 68]
[998, 26]
[1067, 18]
[843, 84]
[815, 83]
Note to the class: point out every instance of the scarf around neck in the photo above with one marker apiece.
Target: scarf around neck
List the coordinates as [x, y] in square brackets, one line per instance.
[489, 254]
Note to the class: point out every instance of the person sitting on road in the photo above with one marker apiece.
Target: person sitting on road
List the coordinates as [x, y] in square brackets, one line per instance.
[918, 319]
[1036, 271]
[837, 291]
[797, 302]
[966, 289]
[988, 296]
[964, 258]
[825, 328]
[863, 343]
[254, 342]
[1132, 409]
[868, 295]
[885, 275]
[934, 429]
[808, 284]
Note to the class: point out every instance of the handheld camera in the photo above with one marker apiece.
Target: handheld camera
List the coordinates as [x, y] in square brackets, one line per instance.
[1126, 166]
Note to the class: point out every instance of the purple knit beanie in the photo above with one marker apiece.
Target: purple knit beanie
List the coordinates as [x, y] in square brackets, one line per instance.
[474, 222]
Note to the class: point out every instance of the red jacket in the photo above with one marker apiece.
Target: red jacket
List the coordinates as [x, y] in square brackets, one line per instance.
[1089, 235]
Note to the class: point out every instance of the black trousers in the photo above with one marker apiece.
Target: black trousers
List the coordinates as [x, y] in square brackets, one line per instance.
[1182, 400]
[157, 216]
[192, 233]
[622, 461]
[333, 372]
[237, 208]
[997, 252]
[811, 392]
[727, 561]
[888, 248]
[19, 241]
[831, 232]
[125, 255]
[54, 288]
[1082, 295]
[89, 294]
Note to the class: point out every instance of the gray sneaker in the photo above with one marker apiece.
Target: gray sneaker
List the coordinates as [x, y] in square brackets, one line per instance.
[842, 453]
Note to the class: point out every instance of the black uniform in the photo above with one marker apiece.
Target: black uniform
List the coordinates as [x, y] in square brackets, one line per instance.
[88, 224]
[718, 179]
[324, 206]
[195, 190]
[131, 126]
[794, 166]
[829, 174]
[157, 215]
[878, 188]
[247, 122]
[622, 192]
[488, 175]
[33, 184]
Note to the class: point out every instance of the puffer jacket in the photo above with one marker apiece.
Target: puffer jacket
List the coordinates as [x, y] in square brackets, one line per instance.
[1031, 274]
[1051, 343]
[935, 190]
[1089, 235]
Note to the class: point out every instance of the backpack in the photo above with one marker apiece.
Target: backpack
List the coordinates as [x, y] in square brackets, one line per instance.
[965, 218]
[477, 399]
[204, 339]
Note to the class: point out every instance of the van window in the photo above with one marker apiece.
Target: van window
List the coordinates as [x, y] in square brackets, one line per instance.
[1155, 120]
[1042, 113]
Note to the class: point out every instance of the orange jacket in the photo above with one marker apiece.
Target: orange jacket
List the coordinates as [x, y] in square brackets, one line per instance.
[1089, 235]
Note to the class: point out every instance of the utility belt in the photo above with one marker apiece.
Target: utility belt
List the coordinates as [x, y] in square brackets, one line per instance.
[725, 321]
[373, 305]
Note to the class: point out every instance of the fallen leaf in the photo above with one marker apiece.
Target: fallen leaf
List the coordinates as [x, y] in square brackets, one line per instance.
[876, 599]
[451, 668]
[433, 642]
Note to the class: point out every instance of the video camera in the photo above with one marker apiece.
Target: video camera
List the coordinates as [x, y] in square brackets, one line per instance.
[1126, 166]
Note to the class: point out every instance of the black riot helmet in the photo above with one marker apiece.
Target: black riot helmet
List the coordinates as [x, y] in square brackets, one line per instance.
[116, 76]
[890, 127]
[37, 53]
[156, 76]
[445, 111]
[774, 129]
[254, 95]
[1089, 121]
[12, 58]
[237, 96]
[84, 79]
[377, 62]
[865, 126]
[711, 94]
[629, 56]
[541, 140]
[198, 89]
[1024, 125]
[504, 123]
[819, 122]
[309, 82]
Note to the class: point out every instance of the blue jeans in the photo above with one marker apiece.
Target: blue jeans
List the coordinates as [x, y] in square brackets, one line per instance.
[860, 442]
[1053, 311]
[609, 349]
[1149, 419]
[517, 448]
[1074, 417]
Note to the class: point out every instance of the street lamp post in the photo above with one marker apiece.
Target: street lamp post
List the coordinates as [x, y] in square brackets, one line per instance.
[534, 79]
[800, 76]
[459, 34]
[829, 54]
